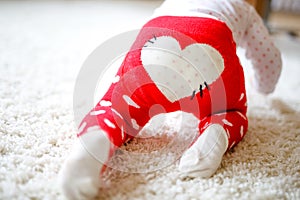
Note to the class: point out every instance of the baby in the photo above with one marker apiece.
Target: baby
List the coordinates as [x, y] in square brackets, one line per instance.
[183, 59]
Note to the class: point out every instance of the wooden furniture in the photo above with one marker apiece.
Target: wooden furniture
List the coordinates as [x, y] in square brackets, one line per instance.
[262, 7]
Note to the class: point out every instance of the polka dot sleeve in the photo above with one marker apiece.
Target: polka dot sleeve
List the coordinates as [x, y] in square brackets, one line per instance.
[265, 57]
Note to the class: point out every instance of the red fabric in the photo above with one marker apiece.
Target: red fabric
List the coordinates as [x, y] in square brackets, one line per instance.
[225, 98]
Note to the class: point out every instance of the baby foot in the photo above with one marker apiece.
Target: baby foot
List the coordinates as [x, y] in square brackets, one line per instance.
[80, 174]
[203, 158]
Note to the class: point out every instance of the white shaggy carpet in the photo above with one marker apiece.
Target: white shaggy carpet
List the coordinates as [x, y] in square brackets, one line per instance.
[42, 47]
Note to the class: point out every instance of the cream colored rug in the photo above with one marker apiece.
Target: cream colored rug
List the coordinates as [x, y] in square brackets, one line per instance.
[42, 47]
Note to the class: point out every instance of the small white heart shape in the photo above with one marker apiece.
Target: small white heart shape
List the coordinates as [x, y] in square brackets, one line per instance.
[179, 72]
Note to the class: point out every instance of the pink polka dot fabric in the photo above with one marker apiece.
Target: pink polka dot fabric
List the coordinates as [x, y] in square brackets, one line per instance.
[264, 55]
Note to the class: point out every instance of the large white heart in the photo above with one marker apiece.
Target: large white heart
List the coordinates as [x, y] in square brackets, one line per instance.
[178, 72]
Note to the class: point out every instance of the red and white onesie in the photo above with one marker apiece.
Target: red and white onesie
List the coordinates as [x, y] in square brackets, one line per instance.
[184, 59]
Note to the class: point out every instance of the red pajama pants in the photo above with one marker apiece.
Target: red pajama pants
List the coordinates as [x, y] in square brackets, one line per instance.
[200, 74]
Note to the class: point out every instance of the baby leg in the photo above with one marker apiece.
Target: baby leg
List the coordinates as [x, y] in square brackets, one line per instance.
[219, 133]
[119, 116]
[79, 176]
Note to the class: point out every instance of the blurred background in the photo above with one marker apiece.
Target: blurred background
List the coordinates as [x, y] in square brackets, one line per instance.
[279, 15]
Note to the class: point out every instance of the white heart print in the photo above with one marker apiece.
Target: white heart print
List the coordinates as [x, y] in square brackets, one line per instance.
[179, 72]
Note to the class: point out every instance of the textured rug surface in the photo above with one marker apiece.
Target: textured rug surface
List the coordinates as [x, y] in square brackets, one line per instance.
[42, 47]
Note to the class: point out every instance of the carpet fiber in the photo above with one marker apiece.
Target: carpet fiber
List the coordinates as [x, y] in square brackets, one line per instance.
[42, 47]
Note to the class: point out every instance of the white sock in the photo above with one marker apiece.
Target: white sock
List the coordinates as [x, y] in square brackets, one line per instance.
[203, 158]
